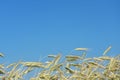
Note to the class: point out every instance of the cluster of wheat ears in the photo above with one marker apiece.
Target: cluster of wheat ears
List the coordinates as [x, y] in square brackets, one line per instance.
[73, 67]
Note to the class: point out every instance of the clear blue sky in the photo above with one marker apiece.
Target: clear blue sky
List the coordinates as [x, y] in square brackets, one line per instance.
[30, 29]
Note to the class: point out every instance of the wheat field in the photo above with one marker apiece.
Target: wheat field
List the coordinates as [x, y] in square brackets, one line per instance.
[73, 67]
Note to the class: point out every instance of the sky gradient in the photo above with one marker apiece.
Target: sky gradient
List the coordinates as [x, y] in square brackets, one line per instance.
[32, 29]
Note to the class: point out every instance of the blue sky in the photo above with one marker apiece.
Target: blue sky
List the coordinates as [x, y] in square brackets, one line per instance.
[32, 29]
